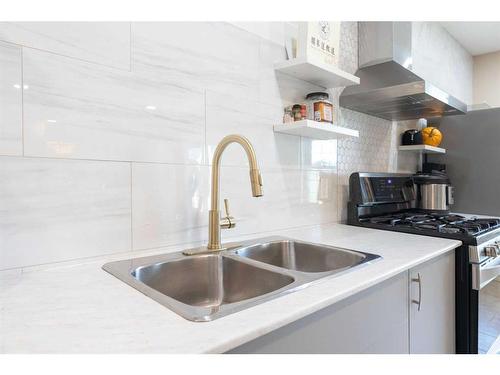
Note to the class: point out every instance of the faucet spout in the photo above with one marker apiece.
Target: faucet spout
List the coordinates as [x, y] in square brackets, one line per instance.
[256, 181]
[214, 242]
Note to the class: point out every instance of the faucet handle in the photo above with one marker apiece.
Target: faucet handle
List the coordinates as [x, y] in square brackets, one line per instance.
[226, 207]
[228, 221]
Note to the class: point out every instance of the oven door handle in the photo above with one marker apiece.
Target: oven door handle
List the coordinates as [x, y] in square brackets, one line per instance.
[483, 275]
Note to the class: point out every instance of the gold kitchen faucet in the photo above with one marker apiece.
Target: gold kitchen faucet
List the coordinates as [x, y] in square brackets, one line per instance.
[215, 223]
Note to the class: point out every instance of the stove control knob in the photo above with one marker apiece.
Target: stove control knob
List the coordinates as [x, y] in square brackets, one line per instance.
[491, 251]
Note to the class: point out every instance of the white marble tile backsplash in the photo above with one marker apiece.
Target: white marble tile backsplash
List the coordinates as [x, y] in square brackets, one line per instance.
[144, 134]
[106, 43]
[272, 31]
[292, 198]
[169, 204]
[76, 109]
[55, 210]
[200, 55]
[11, 91]
[227, 114]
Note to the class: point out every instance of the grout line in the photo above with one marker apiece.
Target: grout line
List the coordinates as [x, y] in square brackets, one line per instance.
[130, 47]
[271, 168]
[337, 183]
[22, 99]
[205, 157]
[102, 160]
[240, 235]
[73, 58]
[131, 211]
[166, 247]
[261, 38]
[301, 158]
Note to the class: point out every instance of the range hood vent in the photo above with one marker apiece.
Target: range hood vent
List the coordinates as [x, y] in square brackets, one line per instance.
[389, 89]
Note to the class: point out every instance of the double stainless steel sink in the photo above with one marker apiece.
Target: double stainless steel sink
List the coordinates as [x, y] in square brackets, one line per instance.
[208, 286]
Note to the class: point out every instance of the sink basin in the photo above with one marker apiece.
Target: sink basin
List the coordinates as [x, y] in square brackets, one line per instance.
[205, 287]
[202, 287]
[210, 280]
[301, 256]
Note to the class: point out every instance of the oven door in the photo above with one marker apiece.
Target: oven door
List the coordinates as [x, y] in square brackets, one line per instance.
[485, 272]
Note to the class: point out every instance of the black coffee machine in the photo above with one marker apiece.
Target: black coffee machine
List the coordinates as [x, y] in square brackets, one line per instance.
[429, 168]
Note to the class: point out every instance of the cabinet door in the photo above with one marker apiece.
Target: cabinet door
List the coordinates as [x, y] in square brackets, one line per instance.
[372, 321]
[432, 288]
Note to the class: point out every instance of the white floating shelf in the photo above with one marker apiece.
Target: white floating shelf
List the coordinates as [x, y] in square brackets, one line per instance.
[316, 130]
[317, 72]
[426, 149]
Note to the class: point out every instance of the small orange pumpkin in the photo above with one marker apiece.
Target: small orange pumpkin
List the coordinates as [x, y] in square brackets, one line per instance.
[432, 136]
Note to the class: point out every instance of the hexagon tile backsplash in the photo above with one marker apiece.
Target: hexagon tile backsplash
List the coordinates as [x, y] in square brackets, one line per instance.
[376, 149]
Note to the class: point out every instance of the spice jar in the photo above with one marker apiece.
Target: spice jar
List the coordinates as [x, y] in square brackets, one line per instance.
[303, 111]
[297, 112]
[288, 115]
[319, 107]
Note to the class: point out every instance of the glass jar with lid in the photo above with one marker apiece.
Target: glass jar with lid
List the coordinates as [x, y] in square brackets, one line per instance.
[319, 108]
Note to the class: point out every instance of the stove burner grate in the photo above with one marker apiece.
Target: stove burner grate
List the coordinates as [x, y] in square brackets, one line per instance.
[455, 224]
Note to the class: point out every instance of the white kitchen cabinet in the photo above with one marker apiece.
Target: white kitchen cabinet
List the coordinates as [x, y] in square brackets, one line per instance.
[372, 321]
[432, 327]
[381, 319]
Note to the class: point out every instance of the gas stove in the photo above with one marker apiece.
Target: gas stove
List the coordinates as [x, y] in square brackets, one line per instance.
[471, 230]
[388, 202]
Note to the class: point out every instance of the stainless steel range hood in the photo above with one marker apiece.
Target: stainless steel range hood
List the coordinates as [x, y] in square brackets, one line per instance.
[389, 89]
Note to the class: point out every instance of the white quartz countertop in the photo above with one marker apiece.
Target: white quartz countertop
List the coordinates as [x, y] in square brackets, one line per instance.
[77, 307]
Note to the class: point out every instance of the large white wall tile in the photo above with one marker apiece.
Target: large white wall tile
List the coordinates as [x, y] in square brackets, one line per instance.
[76, 109]
[227, 114]
[169, 204]
[271, 31]
[204, 55]
[106, 43]
[291, 198]
[11, 86]
[319, 154]
[54, 210]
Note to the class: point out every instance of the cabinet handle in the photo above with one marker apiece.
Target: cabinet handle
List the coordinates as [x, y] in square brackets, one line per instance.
[419, 281]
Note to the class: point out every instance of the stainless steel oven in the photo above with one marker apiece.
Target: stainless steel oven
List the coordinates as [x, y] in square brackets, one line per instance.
[485, 263]
[485, 268]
